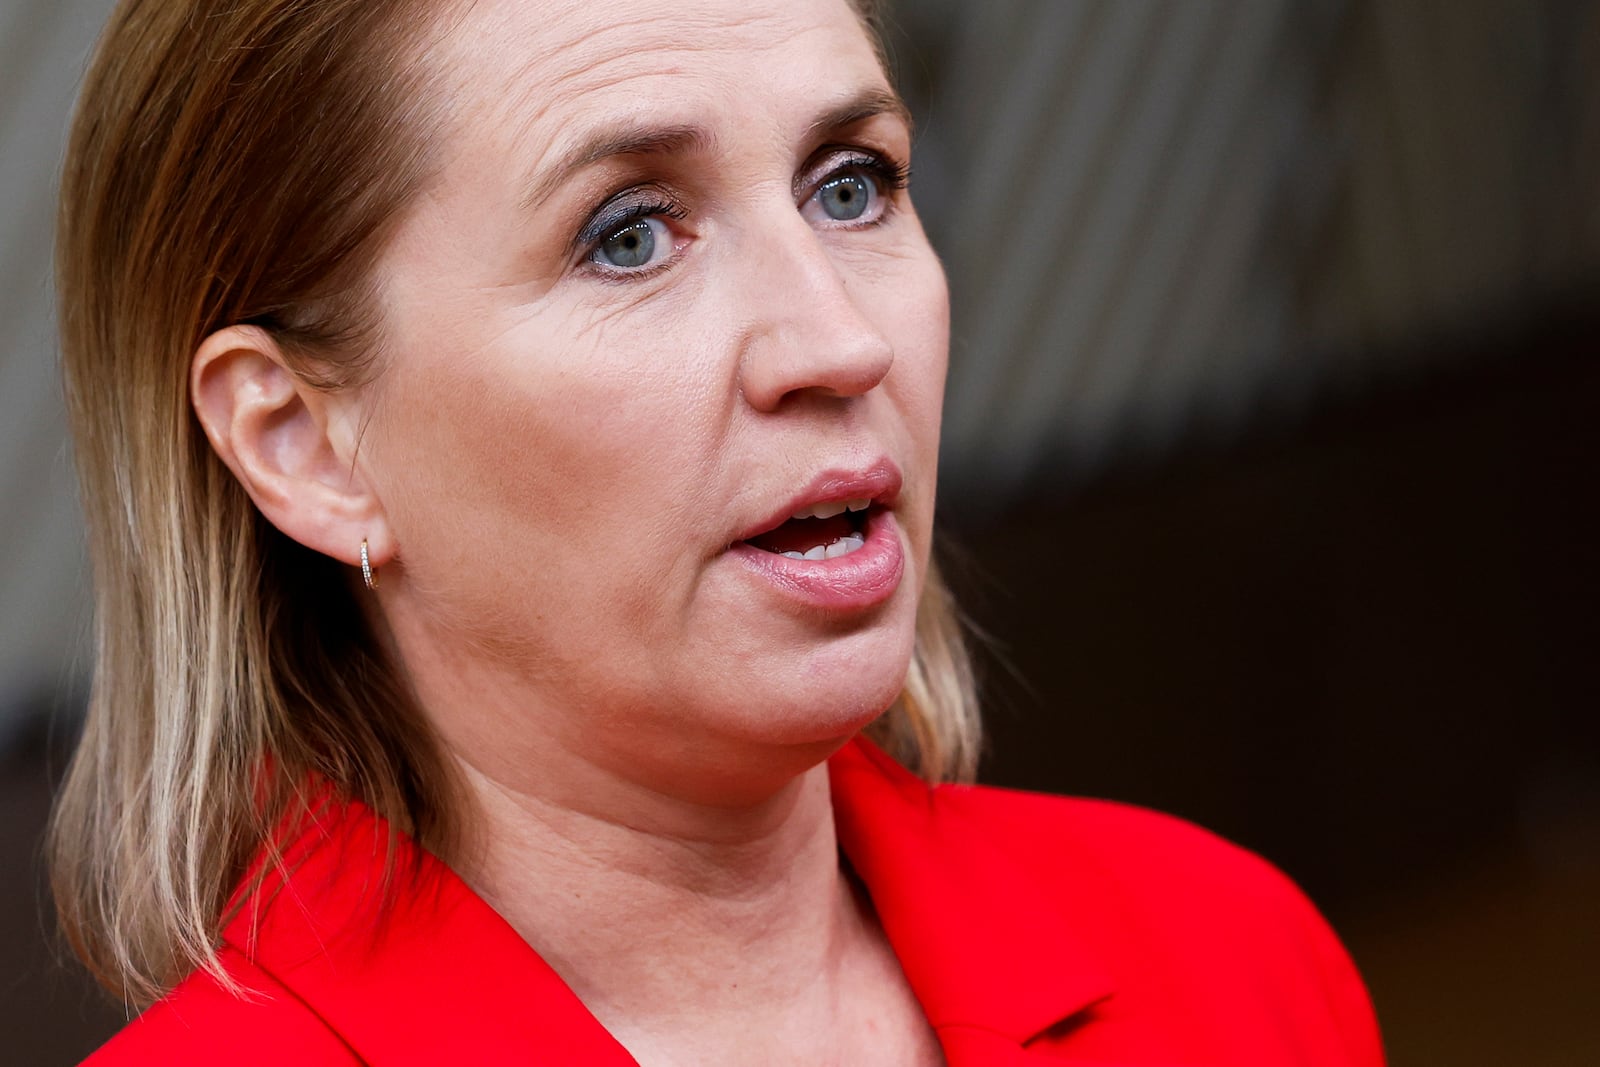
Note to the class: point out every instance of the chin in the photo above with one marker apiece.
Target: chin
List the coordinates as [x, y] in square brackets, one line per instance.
[832, 694]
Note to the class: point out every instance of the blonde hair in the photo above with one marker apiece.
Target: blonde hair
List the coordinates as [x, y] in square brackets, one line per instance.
[243, 162]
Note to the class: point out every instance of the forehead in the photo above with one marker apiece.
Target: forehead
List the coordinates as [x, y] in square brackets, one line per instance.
[540, 73]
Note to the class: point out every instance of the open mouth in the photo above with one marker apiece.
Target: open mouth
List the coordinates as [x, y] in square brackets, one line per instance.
[822, 531]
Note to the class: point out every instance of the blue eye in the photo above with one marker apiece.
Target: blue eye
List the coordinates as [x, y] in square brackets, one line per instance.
[855, 190]
[846, 198]
[632, 246]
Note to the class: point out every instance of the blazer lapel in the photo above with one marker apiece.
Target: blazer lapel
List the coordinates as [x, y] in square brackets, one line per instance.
[987, 949]
[424, 974]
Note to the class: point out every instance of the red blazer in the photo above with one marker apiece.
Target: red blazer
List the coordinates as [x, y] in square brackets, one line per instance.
[1033, 929]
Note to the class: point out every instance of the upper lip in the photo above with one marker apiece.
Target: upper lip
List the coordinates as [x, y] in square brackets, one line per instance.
[878, 482]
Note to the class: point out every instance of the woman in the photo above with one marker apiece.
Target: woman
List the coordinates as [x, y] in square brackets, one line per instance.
[509, 433]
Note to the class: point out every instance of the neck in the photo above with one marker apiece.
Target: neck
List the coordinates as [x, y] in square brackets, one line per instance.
[656, 909]
[685, 883]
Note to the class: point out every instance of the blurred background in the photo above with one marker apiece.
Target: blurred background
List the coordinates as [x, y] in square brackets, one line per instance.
[1269, 470]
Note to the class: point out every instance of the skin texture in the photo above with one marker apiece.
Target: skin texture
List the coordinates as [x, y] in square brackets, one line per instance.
[551, 465]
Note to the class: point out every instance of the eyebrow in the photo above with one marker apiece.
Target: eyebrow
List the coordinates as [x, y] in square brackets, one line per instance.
[867, 105]
[625, 140]
[635, 139]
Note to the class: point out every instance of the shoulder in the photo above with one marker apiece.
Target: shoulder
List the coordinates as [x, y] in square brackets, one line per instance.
[1133, 866]
[1133, 849]
[1176, 906]
[200, 1022]
[1111, 860]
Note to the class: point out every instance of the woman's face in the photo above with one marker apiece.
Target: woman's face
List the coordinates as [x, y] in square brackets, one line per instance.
[666, 291]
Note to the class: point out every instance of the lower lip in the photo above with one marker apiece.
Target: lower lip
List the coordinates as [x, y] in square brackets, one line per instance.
[863, 579]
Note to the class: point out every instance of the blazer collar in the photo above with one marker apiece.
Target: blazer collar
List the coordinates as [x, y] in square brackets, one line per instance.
[429, 973]
[402, 960]
[985, 945]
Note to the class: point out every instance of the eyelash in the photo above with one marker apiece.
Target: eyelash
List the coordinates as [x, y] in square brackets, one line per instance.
[606, 224]
[890, 175]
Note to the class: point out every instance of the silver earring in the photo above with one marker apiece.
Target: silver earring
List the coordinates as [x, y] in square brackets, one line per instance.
[369, 573]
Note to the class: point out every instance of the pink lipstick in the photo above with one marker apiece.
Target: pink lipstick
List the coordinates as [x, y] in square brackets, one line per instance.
[835, 545]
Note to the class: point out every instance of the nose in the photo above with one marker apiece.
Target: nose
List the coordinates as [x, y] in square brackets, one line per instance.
[809, 332]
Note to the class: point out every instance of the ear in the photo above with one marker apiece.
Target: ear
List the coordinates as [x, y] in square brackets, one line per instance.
[292, 446]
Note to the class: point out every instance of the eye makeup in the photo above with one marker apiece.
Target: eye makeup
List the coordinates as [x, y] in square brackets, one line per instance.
[654, 199]
[834, 160]
[621, 208]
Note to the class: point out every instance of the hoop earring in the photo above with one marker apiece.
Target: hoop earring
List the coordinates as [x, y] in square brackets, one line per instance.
[369, 573]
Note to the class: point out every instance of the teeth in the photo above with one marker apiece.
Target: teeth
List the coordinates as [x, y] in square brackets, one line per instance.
[828, 511]
[842, 547]
[820, 511]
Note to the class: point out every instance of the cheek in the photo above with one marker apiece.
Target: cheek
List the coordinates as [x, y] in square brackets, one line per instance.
[919, 314]
[912, 305]
[515, 478]
[914, 309]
